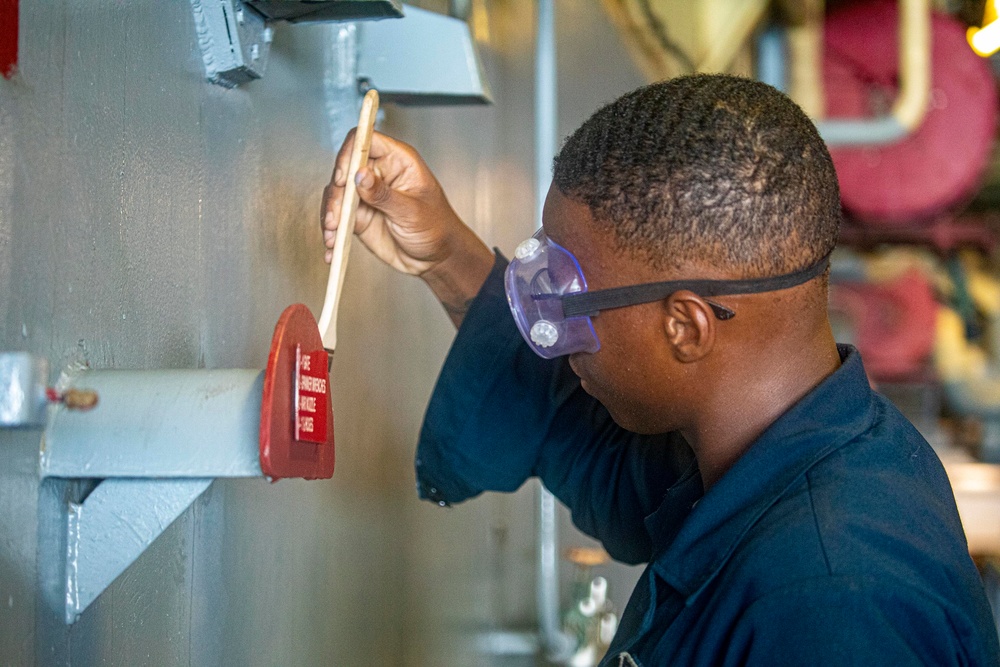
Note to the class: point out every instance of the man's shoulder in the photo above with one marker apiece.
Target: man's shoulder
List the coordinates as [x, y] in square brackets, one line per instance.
[862, 619]
[877, 547]
[879, 505]
[884, 493]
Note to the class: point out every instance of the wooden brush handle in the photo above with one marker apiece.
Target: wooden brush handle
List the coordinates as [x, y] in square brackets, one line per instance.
[345, 230]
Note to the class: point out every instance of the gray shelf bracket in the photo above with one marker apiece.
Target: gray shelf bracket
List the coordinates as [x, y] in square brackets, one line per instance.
[151, 446]
[235, 36]
[423, 59]
[155, 442]
[113, 526]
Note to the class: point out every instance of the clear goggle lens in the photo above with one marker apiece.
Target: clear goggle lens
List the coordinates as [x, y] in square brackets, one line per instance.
[541, 273]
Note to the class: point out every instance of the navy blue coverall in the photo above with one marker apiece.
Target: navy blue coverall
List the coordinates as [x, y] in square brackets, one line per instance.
[834, 540]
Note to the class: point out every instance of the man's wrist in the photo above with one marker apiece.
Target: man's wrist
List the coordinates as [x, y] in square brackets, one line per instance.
[457, 279]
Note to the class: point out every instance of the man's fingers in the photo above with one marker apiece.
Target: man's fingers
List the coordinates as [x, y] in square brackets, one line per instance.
[331, 210]
[382, 145]
[343, 160]
[324, 207]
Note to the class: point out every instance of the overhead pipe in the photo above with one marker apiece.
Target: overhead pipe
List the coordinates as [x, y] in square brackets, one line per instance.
[805, 50]
[914, 80]
[771, 59]
[732, 35]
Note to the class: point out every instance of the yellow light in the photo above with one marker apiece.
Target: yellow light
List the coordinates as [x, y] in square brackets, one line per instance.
[986, 40]
[990, 12]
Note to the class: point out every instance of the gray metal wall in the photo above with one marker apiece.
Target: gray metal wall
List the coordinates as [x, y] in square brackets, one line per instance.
[151, 220]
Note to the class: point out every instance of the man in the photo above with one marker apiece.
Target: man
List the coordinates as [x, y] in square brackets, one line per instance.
[787, 513]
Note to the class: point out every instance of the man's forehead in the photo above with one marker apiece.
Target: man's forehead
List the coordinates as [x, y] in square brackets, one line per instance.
[571, 224]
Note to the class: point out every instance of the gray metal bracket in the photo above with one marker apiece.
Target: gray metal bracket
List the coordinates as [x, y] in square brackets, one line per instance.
[152, 445]
[423, 59]
[234, 41]
[111, 528]
[155, 441]
[235, 36]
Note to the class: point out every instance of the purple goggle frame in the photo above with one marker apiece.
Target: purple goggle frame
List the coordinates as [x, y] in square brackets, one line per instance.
[548, 295]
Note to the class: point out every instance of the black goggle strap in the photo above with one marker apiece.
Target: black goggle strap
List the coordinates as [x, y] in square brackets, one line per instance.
[590, 303]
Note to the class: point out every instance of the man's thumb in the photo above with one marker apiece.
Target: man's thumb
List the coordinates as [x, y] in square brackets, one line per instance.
[372, 189]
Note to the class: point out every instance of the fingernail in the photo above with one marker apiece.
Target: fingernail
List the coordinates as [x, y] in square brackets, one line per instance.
[328, 234]
[364, 179]
[338, 175]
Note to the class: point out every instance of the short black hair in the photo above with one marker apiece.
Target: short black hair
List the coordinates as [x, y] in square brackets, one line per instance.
[711, 168]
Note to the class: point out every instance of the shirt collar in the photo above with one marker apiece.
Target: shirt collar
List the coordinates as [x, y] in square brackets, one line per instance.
[837, 410]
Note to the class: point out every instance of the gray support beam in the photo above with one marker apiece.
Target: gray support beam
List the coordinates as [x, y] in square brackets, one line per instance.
[164, 423]
[422, 59]
[113, 526]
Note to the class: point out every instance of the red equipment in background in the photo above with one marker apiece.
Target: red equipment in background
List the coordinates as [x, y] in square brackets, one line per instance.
[940, 165]
[893, 322]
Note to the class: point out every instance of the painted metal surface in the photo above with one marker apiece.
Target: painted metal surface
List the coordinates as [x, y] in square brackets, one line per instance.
[23, 379]
[112, 527]
[234, 41]
[149, 220]
[424, 59]
[169, 423]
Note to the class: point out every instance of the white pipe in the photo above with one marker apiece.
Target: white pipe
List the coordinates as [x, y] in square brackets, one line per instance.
[914, 86]
[23, 378]
[546, 108]
[556, 644]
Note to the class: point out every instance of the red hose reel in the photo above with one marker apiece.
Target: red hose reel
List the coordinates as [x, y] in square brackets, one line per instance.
[894, 323]
[938, 166]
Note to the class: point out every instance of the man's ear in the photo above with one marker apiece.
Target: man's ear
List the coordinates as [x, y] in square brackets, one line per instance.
[689, 324]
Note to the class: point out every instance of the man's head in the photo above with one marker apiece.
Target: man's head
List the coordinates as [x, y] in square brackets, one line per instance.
[705, 176]
[706, 168]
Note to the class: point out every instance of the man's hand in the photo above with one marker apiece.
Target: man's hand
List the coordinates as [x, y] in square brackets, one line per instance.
[405, 219]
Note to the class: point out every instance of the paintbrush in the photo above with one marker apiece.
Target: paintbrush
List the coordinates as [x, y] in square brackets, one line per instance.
[345, 230]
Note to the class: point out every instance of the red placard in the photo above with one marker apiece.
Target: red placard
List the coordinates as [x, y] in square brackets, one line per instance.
[282, 453]
[311, 389]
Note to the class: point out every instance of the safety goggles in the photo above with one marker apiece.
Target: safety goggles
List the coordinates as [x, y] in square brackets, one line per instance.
[548, 295]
